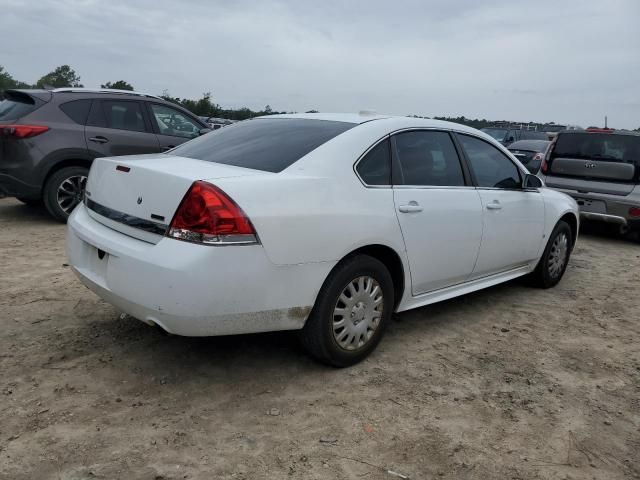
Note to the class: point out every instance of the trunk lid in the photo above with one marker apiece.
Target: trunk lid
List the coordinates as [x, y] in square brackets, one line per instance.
[138, 195]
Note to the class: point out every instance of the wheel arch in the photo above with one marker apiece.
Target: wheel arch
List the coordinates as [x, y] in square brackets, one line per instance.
[572, 221]
[68, 162]
[390, 258]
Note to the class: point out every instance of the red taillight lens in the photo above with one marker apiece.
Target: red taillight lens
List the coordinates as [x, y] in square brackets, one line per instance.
[22, 131]
[207, 215]
[634, 212]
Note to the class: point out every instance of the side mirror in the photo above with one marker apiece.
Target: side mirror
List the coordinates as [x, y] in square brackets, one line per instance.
[510, 140]
[532, 181]
[202, 131]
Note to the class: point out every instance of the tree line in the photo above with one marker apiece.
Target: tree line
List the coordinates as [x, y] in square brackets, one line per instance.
[65, 76]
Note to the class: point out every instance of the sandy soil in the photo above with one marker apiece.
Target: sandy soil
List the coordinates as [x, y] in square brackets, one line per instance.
[508, 383]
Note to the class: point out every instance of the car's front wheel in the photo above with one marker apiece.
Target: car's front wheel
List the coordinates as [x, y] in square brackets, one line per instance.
[351, 312]
[64, 190]
[555, 258]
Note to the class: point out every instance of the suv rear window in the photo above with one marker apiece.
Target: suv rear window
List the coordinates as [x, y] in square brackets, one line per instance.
[603, 147]
[16, 105]
[269, 144]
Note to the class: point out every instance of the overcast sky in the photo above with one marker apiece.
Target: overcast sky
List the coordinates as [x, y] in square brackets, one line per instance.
[568, 61]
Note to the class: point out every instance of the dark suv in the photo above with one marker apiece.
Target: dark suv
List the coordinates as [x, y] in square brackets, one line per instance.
[506, 136]
[48, 138]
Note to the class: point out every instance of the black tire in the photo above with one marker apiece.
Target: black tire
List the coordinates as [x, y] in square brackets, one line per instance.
[55, 181]
[547, 274]
[32, 202]
[318, 335]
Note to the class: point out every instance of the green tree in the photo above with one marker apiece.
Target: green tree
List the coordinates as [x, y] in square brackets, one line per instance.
[7, 81]
[62, 76]
[118, 85]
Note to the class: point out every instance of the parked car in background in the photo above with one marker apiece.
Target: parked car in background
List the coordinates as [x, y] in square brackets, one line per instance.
[601, 171]
[506, 136]
[530, 153]
[323, 223]
[48, 138]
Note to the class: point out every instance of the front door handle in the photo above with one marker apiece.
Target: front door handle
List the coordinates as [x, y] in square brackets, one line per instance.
[99, 139]
[495, 205]
[168, 147]
[411, 207]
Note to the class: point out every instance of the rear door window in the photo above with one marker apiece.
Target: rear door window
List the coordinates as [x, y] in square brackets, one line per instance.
[268, 144]
[428, 158]
[123, 115]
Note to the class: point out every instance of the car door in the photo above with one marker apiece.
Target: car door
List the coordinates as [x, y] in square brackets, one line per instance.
[439, 211]
[513, 217]
[119, 127]
[172, 126]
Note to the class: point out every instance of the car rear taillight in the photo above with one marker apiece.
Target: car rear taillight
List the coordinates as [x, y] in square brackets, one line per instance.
[634, 212]
[544, 165]
[207, 215]
[22, 131]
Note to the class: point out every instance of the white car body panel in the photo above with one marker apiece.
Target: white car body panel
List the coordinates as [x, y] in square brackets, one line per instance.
[307, 217]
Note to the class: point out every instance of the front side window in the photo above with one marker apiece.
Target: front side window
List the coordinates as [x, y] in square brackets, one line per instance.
[173, 122]
[375, 167]
[123, 115]
[428, 159]
[490, 166]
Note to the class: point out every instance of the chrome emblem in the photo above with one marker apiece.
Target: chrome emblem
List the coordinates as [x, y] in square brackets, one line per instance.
[590, 165]
[139, 200]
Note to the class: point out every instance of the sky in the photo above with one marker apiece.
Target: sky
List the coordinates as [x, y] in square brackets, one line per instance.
[566, 61]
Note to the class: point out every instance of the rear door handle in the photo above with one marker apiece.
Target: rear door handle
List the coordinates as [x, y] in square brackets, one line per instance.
[411, 207]
[99, 139]
[495, 205]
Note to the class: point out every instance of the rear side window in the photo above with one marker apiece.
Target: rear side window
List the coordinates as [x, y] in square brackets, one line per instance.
[598, 146]
[428, 159]
[16, 105]
[123, 115]
[491, 167]
[375, 166]
[77, 110]
[268, 144]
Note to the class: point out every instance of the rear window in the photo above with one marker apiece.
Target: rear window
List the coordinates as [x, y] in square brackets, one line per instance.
[16, 105]
[599, 146]
[270, 145]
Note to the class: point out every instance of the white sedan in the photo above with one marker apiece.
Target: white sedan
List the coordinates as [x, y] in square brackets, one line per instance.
[323, 223]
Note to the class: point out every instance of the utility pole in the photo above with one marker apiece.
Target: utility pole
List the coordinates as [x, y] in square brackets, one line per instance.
[605, 121]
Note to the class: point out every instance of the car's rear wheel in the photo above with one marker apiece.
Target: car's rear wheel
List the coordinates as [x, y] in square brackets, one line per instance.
[555, 258]
[351, 312]
[64, 190]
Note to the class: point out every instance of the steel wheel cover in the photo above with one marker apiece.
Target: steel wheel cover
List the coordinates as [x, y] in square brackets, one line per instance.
[357, 313]
[558, 255]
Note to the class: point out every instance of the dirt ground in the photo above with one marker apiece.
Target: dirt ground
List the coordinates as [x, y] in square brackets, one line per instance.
[507, 383]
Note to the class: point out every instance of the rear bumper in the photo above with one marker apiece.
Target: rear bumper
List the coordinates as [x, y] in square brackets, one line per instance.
[189, 289]
[10, 186]
[611, 208]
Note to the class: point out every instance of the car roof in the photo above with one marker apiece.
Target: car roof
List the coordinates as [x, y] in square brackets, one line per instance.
[586, 132]
[393, 122]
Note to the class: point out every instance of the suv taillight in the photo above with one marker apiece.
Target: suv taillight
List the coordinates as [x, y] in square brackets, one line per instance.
[22, 131]
[208, 216]
[544, 165]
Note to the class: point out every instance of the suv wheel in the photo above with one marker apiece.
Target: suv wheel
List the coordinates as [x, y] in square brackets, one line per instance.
[351, 312]
[64, 190]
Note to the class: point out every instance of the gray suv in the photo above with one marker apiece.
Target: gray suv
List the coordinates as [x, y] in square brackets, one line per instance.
[48, 138]
[601, 171]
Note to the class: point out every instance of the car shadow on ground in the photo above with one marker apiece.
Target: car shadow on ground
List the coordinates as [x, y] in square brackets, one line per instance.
[16, 212]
